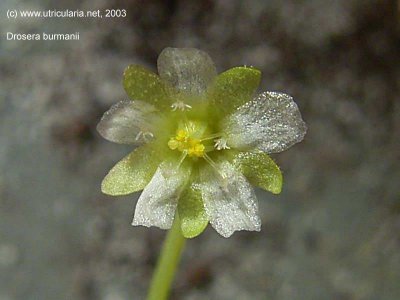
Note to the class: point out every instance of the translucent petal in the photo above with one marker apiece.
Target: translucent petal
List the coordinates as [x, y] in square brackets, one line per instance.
[270, 122]
[234, 87]
[260, 170]
[142, 84]
[157, 203]
[188, 70]
[128, 122]
[230, 203]
[191, 212]
[132, 173]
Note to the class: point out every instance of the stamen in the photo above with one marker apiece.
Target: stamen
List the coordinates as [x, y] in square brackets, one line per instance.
[209, 148]
[182, 158]
[173, 144]
[189, 138]
[186, 126]
[214, 166]
[210, 137]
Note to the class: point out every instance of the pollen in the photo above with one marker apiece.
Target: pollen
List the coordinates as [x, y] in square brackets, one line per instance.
[196, 149]
[182, 136]
[183, 142]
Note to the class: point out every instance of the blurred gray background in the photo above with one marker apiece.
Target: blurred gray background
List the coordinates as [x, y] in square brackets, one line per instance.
[333, 233]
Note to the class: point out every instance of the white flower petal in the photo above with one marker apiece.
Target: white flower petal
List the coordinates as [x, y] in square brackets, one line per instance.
[187, 69]
[157, 203]
[128, 122]
[270, 122]
[230, 203]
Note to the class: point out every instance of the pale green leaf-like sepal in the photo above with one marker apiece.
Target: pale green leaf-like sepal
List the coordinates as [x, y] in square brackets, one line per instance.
[143, 84]
[132, 173]
[234, 87]
[191, 212]
[260, 170]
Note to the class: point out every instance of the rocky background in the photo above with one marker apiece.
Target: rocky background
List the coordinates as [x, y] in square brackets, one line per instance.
[333, 233]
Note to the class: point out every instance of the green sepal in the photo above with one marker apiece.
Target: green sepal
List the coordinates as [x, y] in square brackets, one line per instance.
[191, 212]
[143, 84]
[132, 173]
[234, 87]
[260, 170]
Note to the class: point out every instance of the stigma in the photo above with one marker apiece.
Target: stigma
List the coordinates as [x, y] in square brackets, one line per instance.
[221, 144]
[180, 105]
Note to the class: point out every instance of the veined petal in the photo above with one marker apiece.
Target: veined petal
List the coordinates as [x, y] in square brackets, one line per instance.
[234, 87]
[142, 84]
[128, 122]
[260, 170]
[157, 203]
[189, 70]
[132, 173]
[230, 203]
[191, 211]
[270, 122]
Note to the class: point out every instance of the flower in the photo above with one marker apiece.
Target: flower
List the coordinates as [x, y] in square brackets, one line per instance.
[202, 141]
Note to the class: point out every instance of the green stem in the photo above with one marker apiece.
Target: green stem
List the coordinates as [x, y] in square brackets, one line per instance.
[167, 263]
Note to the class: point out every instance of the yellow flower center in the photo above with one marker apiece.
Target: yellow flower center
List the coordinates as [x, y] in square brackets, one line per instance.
[184, 142]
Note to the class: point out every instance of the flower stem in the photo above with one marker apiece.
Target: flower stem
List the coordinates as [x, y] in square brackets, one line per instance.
[167, 263]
